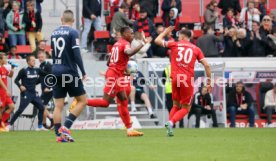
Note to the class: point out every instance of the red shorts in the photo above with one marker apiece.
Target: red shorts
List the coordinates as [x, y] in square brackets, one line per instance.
[115, 83]
[5, 100]
[182, 91]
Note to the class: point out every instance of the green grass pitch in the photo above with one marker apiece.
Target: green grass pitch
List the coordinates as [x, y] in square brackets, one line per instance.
[113, 145]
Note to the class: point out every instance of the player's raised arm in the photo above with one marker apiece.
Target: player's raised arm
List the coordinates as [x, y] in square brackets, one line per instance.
[132, 51]
[160, 38]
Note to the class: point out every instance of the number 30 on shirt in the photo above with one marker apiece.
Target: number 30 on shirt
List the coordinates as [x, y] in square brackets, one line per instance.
[185, 55]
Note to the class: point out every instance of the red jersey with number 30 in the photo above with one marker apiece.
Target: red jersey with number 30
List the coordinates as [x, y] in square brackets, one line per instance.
[183, 57]
[119, 58]
[4, 76]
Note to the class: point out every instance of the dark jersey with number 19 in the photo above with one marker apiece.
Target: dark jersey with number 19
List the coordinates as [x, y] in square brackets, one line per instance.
[64, 40]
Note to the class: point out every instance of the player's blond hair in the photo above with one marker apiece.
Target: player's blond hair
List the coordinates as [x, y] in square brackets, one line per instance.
[68, 16]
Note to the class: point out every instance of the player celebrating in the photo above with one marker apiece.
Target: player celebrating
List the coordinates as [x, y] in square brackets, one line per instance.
[5, 99]
[121, 52]
[66, 58]
[183, 58]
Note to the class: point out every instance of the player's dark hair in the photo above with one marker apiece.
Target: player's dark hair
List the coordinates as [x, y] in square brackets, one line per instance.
[124, 29]
[186, 32]
[28, 58]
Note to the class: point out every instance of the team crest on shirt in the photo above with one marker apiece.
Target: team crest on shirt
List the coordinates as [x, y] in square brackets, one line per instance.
[28, 72]
[77, 41]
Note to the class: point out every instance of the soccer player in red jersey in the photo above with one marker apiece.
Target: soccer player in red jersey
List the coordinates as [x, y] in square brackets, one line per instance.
[5, 99]
[183, 57]
[120, 54]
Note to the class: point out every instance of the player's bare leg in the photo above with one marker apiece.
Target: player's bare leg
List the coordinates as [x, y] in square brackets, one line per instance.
[177, 116]
[124, 106]
[6, 115]
[59, 105]
[46, 115]
[145, 98]
[132, 99]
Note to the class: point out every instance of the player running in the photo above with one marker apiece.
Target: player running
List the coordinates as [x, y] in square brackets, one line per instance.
[123, 110]
[183, 57]
[5, 99]
[66, 58]
[121, 52]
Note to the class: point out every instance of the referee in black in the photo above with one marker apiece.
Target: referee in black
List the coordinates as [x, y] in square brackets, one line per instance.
[46, 91]
[26, 80]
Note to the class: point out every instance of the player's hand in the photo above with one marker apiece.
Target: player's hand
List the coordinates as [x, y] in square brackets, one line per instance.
[8, 93]
[169, 29]
[102, 73]
[46, 90]
[84, 78]
[93, 17]
[22, 89]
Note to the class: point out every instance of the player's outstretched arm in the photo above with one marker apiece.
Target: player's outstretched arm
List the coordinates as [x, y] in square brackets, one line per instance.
[133, 51]
[160, 38]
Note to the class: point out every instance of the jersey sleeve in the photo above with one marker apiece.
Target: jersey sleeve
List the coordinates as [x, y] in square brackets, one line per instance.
[126, 47]
[169, 44]
[75, 40]
[200, 55]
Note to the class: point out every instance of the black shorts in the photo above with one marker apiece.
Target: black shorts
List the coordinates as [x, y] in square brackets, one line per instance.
[138, 93]
[74, 88]
[46, 97]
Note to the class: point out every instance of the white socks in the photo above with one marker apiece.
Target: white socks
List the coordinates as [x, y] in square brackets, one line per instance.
[129, 129]
[133, 106]
[150, 111]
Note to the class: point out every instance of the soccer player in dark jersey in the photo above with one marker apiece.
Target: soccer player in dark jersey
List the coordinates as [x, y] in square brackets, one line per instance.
[26, 80]
[66, 58]
[46, 92]
[183, 58]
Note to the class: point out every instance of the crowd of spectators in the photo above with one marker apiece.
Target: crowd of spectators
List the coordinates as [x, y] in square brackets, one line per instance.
[20, 24]
[236, 31]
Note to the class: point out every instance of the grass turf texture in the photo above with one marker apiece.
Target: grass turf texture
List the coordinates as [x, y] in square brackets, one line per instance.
[113, 145]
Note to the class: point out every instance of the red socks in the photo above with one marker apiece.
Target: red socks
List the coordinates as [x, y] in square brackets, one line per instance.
[124, 113]
[173, 111]
[99, 102]
[180, 114]
[5, 116]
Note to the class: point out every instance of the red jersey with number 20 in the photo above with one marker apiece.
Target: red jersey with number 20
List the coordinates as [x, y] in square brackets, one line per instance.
[119, 58]
[4, 76]
[183, 57]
